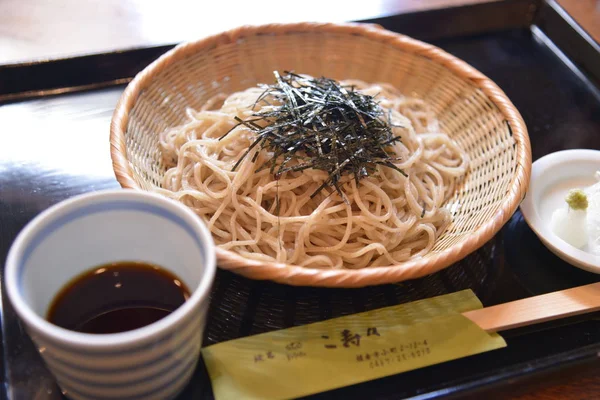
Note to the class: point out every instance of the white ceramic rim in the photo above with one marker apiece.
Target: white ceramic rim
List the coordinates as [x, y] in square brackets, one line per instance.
[562, 249]
[113, 340]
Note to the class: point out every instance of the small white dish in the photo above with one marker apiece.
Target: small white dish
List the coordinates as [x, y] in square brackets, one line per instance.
[552, 176]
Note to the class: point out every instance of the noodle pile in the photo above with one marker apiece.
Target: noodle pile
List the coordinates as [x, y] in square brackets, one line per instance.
[386, 219]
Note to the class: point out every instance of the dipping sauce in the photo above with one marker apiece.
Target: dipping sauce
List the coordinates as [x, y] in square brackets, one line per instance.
[117, 297]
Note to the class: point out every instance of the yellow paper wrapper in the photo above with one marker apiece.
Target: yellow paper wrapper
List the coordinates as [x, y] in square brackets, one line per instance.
[343, 351]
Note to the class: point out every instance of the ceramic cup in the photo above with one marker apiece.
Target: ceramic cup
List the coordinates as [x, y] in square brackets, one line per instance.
[152, 362]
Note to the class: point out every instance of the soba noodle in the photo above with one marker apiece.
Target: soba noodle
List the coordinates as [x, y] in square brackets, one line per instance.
[387, 219]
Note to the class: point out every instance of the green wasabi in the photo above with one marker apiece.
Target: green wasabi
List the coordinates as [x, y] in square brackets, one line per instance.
[577, 199]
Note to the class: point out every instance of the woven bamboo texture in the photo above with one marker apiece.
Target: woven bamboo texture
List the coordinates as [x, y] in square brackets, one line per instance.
[470, 107]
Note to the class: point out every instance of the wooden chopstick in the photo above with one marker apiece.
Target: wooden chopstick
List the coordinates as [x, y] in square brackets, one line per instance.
[542, 308]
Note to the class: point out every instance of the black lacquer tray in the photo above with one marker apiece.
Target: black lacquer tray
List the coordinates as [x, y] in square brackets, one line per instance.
[54, 144]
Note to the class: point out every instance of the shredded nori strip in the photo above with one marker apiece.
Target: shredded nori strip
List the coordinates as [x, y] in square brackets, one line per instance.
[321, 124]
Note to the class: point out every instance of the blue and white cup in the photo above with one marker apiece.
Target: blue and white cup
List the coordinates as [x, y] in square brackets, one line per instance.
[152, 362]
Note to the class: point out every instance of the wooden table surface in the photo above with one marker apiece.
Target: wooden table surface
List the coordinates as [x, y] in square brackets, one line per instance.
[41, 29]
[586, 13]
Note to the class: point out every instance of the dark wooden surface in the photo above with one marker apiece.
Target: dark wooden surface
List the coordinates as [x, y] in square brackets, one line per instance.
[38, 29]
[580, 383]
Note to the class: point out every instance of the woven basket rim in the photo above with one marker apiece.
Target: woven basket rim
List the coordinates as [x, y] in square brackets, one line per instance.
[302, 276]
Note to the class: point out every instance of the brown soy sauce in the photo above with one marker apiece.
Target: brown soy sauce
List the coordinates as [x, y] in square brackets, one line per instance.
[117, 297]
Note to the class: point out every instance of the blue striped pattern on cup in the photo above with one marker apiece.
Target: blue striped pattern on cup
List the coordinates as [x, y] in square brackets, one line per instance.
[157, 370]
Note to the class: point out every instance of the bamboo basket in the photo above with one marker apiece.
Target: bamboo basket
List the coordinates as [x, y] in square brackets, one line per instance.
[470, 107]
